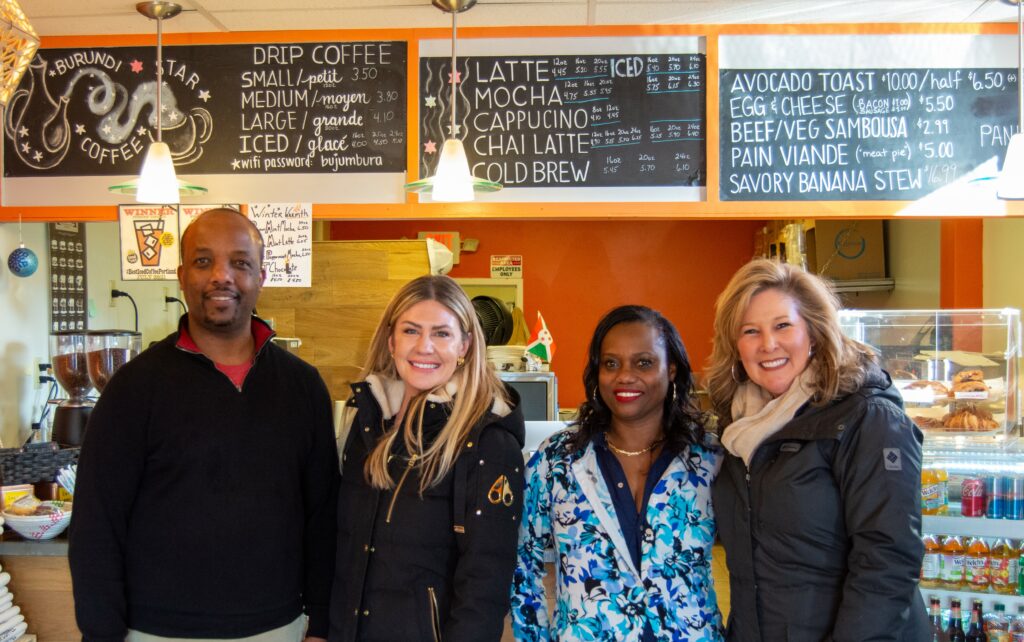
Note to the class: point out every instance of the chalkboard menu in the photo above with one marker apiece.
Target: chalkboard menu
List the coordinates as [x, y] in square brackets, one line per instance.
[227, 109]
[581, 120]
[859, 134]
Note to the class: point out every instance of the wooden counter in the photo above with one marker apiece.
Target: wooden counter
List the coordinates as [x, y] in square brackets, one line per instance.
[41, 584]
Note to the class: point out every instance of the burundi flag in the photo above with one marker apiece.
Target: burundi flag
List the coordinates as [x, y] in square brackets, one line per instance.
[541, 344]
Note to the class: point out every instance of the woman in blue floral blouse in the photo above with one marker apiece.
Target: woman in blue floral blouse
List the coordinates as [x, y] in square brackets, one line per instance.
[621, 502]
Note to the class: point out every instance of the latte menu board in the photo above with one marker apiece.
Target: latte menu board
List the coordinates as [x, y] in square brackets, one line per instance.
[555, 115]
[860, 132]
[228, 110]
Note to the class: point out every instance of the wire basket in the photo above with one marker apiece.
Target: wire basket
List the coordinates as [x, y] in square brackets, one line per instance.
[34, 463]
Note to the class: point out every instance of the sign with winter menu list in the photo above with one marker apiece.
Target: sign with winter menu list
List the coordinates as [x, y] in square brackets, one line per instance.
[287, 230]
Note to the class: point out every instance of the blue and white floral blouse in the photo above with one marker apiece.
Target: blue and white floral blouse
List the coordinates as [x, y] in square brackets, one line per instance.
[569, 518]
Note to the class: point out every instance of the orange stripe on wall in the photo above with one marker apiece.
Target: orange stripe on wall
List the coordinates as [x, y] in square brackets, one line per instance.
[961, 281]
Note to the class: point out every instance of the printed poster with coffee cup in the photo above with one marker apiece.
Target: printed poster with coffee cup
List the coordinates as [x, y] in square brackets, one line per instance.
[149, 242]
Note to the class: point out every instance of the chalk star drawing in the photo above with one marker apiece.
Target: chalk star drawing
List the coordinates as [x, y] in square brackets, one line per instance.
[235, 164]
[26, 148]
[23, 131]
[457, 79]
[430, 147]
[136, 66]
[141, 131]
[38, 156]
[106, 129]
[431, 101]
[79, 129]
[204, 95]
[454, 131]
[53, 72]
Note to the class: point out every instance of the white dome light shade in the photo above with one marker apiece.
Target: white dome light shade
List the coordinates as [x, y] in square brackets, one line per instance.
[452, 182]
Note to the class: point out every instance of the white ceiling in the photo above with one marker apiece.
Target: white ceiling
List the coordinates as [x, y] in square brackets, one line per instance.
[59, 17]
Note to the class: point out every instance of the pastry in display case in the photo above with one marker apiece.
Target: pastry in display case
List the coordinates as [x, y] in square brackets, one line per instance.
[957, 370]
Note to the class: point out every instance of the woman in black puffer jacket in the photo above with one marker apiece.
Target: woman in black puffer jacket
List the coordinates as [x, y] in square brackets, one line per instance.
[432, 479]
[818, 500]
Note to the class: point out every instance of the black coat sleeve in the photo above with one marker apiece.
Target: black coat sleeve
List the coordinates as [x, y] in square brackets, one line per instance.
[320, 496]
[487, 551]
[110, 468]
[878, 469]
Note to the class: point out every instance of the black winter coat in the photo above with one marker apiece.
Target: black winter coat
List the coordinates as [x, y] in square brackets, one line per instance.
[823, 536]
[404, 571]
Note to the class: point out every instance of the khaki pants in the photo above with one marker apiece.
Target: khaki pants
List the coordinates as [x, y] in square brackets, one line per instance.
[293, 632]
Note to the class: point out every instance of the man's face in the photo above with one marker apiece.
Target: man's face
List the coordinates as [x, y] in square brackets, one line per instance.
[220, 274]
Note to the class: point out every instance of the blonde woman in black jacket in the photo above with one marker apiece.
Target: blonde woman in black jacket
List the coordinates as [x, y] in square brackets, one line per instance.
[432, 479]
[818, 500]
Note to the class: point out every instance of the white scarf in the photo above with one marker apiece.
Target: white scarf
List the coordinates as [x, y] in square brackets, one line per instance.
[756, 416]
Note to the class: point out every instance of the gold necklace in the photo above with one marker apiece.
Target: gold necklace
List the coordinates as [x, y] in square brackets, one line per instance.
[632, 453]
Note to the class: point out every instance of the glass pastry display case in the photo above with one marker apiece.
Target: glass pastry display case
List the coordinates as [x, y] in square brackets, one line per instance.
[957, 370]
[958, 373]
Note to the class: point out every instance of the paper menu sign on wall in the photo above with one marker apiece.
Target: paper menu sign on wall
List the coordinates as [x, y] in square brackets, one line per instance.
[287, 230]
[149, 242]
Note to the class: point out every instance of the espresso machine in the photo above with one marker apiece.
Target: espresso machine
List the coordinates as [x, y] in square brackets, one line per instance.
[68, 359]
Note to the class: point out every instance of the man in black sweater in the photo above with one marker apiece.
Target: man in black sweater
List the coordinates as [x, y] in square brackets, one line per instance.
[207, 485]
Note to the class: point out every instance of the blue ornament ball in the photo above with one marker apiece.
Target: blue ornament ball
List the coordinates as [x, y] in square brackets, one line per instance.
[23, 262]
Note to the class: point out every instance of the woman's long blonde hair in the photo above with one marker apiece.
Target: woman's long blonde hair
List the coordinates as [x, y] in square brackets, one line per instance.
[841, 362]
[477, 385]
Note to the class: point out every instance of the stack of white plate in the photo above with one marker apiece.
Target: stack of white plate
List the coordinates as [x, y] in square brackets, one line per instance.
[506, 358]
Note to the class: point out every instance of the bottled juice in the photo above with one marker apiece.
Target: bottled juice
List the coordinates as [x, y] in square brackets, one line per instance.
[1003, 568]
[976, 566]
[931, 565]
[997, 625]
[1017, 625]
[951, 576]
[934, 491]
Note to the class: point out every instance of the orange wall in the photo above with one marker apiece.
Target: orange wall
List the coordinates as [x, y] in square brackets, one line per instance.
[574, 272]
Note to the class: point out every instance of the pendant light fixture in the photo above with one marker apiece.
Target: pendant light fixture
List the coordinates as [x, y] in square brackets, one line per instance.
[157, 183]
[1011, 179]
[18, 44]
[452, 181]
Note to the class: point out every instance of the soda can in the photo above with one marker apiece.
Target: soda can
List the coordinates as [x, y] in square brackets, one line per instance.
[1015, 498]
[995, 498]
[972, 497]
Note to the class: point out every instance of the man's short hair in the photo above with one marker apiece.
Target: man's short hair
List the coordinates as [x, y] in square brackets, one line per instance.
[255, 231]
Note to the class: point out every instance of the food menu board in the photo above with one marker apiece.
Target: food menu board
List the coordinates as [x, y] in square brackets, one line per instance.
[234, 111]
[626, 113]
[859, 132]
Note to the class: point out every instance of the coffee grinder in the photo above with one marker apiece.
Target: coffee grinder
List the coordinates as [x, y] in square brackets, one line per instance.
[108, 350]
[68, 359]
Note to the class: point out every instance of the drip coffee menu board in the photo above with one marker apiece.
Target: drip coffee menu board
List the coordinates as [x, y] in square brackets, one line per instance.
[861, 131]
[305, 108]
[573, 120]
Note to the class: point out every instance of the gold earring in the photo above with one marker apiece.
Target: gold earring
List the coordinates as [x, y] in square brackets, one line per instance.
[460, 361]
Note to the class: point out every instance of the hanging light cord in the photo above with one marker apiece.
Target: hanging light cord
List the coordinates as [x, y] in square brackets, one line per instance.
[159, 75]
[455, 75]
